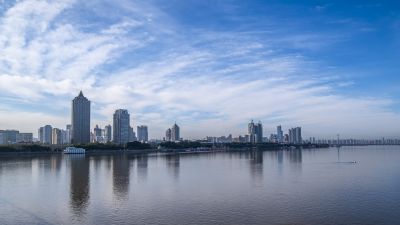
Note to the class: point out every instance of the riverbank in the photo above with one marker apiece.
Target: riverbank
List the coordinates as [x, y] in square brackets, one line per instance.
[36, 151]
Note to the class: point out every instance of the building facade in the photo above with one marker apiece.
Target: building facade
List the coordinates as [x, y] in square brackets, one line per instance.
[56, 137]
[255, 132]
[80, 120]
[142, 133]
[24, 138]
[168, 136]
[107, 133]
[132, 135]
[295, 136]
[279, 134]
[121, 124]
[8, 136]
[45, 134]
[175, 133]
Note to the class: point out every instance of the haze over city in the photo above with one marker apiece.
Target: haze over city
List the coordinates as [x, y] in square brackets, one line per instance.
[329, 68]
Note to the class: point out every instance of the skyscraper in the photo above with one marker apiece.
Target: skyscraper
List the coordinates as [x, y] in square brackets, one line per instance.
[255, 132]
[175, 133]
[121, 126]
[142, 133]
[259, 132]
[279, 133]
[45, 134]
[68, 134]
[97, 131]
[80, 120]
[107, 133]
[295, 135]
[132, 135]
[56, 137]
[168, 135]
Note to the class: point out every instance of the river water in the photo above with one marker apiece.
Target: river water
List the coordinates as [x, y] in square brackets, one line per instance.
[350, 185]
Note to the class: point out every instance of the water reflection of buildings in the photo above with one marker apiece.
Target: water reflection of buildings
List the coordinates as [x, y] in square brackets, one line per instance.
[295, 158]
[55, 163]
[256, 164]
[142, 161]
[79, 186]
[121, 173]
[173, 162]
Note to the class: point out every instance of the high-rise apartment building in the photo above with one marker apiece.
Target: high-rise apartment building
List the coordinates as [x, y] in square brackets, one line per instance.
[45, 134]
[98, 134]
[8, 136]
[279, 134]
[107, 133]
[68, 131]
[80, 120]
[175, 133]
[24, 138]
[168, 135]
[142, 133]
[56, 136]
[295, 135]
[121, 133]
[255, 132]
[132, 135]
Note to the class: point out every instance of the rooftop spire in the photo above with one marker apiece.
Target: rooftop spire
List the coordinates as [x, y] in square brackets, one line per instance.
[80, 94]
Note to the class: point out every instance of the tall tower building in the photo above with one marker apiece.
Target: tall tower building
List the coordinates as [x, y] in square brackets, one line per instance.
[68, 134]
[168, 135]
[295, 135]
[132, 135]
[175, 133]
[279, 133]
[142, 133]
[259, 132]
[255, 132]
[98, 136]
[45, 134]
[80, 132]
[56, 137]
[121, 133]
[107, 133]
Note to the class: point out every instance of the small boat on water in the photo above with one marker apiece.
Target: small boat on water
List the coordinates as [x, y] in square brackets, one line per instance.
[74, 150]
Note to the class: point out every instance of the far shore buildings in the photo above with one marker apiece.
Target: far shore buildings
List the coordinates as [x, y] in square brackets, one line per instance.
[107, 133]
[173, 133]
[142, 133]
[295, 136]
[45, 134]
[255, 132]
[122, 129]
[14, 136]
[80, 121]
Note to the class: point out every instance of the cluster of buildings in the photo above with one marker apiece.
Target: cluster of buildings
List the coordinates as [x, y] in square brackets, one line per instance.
[255, 135]
[173, 133]
[14, 136]
[78, 132]
[338, 141]
[121, 132]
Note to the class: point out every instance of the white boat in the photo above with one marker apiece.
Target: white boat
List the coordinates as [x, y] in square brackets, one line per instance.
[73, 150]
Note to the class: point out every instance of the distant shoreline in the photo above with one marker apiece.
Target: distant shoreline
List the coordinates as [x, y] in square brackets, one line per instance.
[163, 151]
[174, 151]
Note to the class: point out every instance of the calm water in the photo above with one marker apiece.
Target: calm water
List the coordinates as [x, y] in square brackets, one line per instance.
[282, 187]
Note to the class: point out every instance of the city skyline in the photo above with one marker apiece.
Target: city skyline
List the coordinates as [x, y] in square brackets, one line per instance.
[332, 71]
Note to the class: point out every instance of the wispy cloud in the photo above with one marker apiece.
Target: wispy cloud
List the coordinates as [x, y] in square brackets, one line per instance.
[210, 82]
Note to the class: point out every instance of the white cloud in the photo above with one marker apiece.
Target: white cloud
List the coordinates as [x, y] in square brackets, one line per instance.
[211, 85]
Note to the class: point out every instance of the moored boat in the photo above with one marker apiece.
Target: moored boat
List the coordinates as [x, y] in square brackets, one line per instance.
[74, 150]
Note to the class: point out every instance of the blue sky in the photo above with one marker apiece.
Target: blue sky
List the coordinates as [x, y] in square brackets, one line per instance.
[211, 66]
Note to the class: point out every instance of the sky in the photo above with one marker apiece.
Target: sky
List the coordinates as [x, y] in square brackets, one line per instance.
[331, 67]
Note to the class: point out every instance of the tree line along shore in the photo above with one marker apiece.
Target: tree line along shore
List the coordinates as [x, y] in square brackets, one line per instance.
[159, 147]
